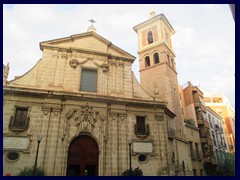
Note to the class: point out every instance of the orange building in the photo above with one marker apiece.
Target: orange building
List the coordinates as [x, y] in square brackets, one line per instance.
[194, 111]
[220, 104]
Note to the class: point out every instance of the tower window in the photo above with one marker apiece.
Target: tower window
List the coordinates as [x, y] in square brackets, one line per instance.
[172, 62]
[150, 37]
[156, 58]
[147, 61]
[168, 59]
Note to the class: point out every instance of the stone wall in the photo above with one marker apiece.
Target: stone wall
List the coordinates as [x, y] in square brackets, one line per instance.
[58, 119]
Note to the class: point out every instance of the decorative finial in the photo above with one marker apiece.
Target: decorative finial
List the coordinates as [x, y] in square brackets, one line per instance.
[5, 73]
[152, 12]
[92, 28]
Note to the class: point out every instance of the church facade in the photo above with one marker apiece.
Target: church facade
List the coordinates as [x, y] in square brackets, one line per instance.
[92, 114]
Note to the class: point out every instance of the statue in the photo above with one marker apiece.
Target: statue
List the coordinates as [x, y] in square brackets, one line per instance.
[156, 89]
[5, 74]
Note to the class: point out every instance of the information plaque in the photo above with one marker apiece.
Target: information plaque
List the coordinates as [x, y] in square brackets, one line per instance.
[142, 147]
[21, 143]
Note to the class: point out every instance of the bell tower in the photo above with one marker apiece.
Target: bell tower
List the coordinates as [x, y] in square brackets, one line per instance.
[158, 74]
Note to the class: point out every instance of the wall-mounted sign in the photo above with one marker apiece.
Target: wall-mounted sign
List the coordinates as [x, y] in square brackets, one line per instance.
[142, 147]
[21, 143]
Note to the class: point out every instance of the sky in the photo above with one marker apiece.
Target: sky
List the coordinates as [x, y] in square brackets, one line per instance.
[204, 39]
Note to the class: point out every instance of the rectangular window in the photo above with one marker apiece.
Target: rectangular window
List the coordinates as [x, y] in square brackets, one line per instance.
[140, 127]
[194, 172]
[20, 120]
[88, 80]
[197, 151]
[191, 150]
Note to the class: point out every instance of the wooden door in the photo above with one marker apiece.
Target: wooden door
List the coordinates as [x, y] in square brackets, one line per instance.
[83, 157]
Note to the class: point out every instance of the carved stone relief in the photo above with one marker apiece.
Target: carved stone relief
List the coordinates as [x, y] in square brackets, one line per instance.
[84, 118]
[74, 63]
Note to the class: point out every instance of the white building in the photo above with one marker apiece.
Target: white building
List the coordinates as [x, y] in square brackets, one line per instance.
[219, 103]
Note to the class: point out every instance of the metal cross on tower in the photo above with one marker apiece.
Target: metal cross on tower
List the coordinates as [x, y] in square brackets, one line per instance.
[92, 21]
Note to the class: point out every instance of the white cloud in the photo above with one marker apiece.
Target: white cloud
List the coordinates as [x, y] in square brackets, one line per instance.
[204, 41]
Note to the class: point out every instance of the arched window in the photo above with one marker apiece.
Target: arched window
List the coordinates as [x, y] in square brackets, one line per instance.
[150, 37]
[168, 59]
[172, 62]
[147, 61]
[156, 58]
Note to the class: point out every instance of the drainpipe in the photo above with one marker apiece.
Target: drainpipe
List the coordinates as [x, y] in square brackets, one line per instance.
[105, 143]
[117, 145]
[177, 156]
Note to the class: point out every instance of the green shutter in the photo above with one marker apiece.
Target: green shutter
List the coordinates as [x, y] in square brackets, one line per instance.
[88, 80]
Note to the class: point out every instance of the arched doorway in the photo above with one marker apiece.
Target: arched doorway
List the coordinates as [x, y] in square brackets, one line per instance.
[83, 157]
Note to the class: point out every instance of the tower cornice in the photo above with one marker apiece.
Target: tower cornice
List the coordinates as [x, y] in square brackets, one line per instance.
[152, 20]
[156, 44]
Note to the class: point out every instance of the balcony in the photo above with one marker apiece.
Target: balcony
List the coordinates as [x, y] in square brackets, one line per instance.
[210, 142]
[204, 109]
[206, 124]
[203, 133]
[200, 122]
[214, 160]
[211, 160]
[193, 155]
[218, 129]
[204, 140]
[199, 115]
[200, 106]
[206, 153]
[220, 144]
[196, 155]
[140, 131]
[203, 122]
[18, 127]
[207, 160]
[171, 133]
[231, 147]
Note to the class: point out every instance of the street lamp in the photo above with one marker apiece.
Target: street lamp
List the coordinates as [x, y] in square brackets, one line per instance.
[39, 139]
[130, 155]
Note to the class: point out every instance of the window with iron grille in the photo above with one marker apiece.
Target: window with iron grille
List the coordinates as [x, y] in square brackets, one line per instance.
[140, 127]
[21, 120]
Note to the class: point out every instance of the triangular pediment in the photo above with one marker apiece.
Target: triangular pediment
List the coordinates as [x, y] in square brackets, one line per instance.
[89, 41]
